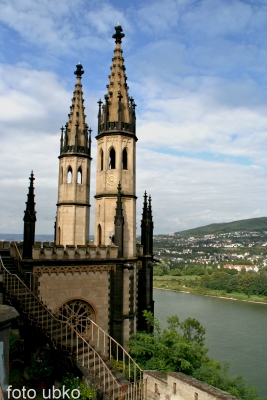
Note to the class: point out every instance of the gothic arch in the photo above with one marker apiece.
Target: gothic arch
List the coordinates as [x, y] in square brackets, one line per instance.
[59, 233]
[69, 172]
[61, 175]
[124, 158]
[76, 312]
[79, 175]
[112, 158]
[99, 234]
[101, 157]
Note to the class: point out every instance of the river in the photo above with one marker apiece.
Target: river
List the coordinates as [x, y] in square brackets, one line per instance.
[236, 331]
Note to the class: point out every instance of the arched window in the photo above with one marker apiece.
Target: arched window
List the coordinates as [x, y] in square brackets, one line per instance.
[76, 313]
[101, 160]
[124, 159]
[112, 158]
[59, 235]
[61, 175]
[69, 175]
[99, 233]
[79, 175]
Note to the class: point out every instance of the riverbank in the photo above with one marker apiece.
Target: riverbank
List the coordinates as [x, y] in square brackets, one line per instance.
[167, 283]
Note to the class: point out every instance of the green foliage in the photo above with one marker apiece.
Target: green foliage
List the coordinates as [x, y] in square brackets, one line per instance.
[180, 348]
[157, 271]
[14, 345]
[216, 375]
[16, 378]
[245, 282]
[87, 390]
[175, 272]
[164, 265]
[42, 366]
[194, 271]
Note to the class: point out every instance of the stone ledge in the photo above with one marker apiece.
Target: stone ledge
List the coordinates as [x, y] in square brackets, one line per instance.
[72, 252]
[178, 386]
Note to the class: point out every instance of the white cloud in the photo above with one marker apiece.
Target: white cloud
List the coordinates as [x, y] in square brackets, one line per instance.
[189, 192]
[196, 71]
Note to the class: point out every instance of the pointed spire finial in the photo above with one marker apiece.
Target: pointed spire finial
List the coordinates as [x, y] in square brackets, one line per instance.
[29, 221]
[119, 34]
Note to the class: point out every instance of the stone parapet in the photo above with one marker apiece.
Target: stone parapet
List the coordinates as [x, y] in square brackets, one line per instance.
[48, 252]
[7, 315]
[178, 386]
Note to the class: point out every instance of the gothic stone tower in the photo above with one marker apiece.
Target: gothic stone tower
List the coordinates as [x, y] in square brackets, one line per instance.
[116, 156]
[72, 222]
[109, 281]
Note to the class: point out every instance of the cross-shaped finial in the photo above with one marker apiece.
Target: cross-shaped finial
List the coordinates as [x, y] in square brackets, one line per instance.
[79, 70]
[118, 35]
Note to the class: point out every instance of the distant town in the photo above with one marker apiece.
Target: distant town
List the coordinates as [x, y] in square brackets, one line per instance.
[229, 264]
[214, 249]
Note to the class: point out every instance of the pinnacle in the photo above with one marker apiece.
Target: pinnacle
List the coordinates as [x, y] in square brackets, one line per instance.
[117, 87]
[75, 134]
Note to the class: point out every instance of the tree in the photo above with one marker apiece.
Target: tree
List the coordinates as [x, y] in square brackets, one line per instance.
[157, 271]
[180, 348]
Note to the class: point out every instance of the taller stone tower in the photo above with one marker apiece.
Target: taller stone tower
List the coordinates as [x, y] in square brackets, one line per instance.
[73, 208]
[116, 159]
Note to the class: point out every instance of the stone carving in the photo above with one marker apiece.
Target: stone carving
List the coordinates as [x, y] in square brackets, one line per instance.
[72, 269]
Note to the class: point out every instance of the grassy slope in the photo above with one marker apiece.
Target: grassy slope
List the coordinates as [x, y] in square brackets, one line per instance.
[252, 224]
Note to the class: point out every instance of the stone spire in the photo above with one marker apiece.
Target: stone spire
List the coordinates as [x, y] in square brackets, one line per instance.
[29, 221]
[147, 226]
[74, 137]
[118, 110]
[151, 226]
[119, 222]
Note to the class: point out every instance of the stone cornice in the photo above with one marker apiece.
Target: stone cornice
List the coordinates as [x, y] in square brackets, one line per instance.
[129, 196]
[116, 132]
[72, 269]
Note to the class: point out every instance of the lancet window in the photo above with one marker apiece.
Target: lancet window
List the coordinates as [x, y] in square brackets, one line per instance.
[79, 175]
[69, 175]
[124, 159]
[101, 160]
[112, 158]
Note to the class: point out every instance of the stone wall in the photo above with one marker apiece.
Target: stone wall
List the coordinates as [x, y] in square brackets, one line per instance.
[178, 386]
[7, 314]
[91, 287]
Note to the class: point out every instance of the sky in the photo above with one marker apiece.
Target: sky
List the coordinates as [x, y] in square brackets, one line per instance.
[197, 72]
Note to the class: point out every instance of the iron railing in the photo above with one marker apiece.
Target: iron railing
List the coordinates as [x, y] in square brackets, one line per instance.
[63, 334]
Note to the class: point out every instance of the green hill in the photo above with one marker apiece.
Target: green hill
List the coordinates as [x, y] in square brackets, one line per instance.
[252, 224]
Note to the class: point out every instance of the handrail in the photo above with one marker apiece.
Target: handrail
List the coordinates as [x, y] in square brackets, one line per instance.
[127, 391]
[105, 334]
[19, 259]
[16, 247]
[62, 322]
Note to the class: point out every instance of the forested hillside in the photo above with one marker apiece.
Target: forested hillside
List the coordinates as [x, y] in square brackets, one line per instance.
[252, 224]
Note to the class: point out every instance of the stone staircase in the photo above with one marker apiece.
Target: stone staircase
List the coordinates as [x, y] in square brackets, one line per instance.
[98, 364]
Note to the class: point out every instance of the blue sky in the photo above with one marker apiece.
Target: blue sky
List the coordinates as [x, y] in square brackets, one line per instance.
[197, 71]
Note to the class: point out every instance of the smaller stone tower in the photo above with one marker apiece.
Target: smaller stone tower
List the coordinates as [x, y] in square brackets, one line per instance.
[29, 221]
[73, 208]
